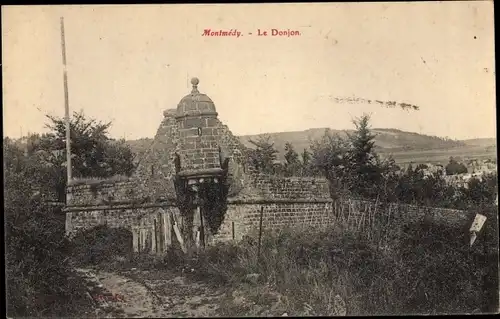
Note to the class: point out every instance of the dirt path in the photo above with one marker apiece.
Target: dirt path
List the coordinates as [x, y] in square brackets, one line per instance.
[128, 295]
[157, 294]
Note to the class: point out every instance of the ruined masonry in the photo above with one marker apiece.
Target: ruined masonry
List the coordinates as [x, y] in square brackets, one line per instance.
[194, 171]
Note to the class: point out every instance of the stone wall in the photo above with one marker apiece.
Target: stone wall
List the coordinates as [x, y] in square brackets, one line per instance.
[293, 201]
[231, 146]
[243, 218]
[125, 203]
[273, 187]
[103, 192]
[113, 216]
[403, 213]
[155, 170]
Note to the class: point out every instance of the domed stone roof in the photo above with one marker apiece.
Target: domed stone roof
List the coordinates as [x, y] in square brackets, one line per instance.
[195, 103]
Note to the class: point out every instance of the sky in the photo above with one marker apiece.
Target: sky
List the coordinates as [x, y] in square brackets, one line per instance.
[126, 64]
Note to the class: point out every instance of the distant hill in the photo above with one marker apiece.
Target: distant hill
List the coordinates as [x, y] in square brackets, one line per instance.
[405, 146]
[386, 140]
[481, 142]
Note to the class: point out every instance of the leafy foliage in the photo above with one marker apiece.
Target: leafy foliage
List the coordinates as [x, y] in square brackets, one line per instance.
[293, 166]
[307, 169]
[93, 153]
[353, 168]
[264, 155]
[101, 244]
[454, 167]
[329, 159]
[363, 160]
[39, 277]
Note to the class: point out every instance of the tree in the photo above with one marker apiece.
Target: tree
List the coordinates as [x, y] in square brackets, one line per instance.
[307, 170]
[292, 164]
[482, 191]
[93, 153]
[390, 177]
[329, 160]
[363, 160]
[264, 155]
[455, 168]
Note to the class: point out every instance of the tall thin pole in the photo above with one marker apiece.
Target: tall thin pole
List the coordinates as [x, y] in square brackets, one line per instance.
[260, 233]
[66, 103]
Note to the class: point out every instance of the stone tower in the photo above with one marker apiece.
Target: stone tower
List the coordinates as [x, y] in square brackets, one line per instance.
[191, 146]
[198, 157]
[200, 174]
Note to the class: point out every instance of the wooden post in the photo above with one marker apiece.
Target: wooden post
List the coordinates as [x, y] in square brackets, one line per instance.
[260, 233]
[134, 240]
[137, 231]
[232, 226]
[178, 233]
[166, 231]
[196, 227]
[197, 239]
[155, 238]
[202, 229]
[69, 223]
[142, 238]
[66, 105]
[349, 213]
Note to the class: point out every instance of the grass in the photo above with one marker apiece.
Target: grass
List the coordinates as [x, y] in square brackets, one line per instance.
[417, 268]
[428, 270]
[441, 156]
[308, 270]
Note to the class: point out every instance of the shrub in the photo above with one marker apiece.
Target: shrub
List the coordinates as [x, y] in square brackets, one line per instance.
[40, 280]
[440, 273]
[427, 269]
[101, 244]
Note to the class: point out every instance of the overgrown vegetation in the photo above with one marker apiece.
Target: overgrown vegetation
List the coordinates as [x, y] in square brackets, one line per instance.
[354, 169]
[454, 167]
[101, 244]
[93, 153]
[426, 269]
[40, 278]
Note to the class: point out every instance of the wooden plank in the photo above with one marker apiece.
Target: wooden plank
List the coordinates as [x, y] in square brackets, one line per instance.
[154, 238]
[203, 232]
[142, 239]
[179, 238]
[135, 241]
[167, 226]
[196, 223]
[161, 236]
[178, 234]
[69, 223]
[197, 239]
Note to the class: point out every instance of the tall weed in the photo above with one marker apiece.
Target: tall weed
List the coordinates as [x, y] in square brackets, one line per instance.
[423, 269]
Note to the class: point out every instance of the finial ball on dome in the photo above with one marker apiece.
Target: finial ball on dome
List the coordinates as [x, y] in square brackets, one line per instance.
[195, 81]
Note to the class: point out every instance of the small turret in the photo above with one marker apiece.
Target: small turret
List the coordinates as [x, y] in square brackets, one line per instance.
[199, 154]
